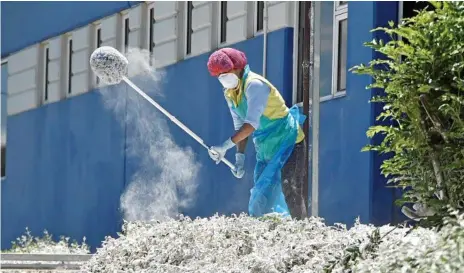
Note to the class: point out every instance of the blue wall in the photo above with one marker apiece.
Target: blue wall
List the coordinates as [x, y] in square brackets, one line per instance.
[65, 161]
[24, 23]
[344, 177]
[350, 183]
[382, 196]
[64, 171]
[66, 165]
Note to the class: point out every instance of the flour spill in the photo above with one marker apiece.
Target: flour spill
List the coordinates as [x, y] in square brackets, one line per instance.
[165, 178]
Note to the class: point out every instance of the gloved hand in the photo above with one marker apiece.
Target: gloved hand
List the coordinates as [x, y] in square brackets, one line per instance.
[239, 162]
[217, 153]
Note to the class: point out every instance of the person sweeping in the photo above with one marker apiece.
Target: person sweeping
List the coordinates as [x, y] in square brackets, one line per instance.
[258, 110]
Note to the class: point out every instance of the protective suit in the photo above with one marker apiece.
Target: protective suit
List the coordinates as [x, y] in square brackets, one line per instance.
[274, 137]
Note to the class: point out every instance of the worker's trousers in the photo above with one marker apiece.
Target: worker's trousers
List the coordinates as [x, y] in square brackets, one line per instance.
[292, 182]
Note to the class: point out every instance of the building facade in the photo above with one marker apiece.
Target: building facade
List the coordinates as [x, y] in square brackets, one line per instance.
[65, 160]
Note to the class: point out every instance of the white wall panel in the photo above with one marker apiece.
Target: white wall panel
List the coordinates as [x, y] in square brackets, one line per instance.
[80, 61]
[165, 31]
[280, 14]
[135, 23]
[237, 23]
[54, 69]
[109, 31]
[21, 102]
[165, 8]
[202, 15]
[22, 80]
[23, 59]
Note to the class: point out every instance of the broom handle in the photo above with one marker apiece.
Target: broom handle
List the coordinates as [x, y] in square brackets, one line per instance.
[173, 119]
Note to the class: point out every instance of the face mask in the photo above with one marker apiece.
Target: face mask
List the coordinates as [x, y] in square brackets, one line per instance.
[229, 80]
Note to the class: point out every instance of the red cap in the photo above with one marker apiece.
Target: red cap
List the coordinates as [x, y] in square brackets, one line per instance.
[224, 60]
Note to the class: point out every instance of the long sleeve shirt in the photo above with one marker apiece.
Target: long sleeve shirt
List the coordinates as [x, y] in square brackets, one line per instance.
[257, 94]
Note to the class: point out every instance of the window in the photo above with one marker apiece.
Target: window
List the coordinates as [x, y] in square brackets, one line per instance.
[70, 55]
[301, 30]
[189, 27]
[98, 43]
[331, 31]
[126, 34]
[342, 51]
[151, 44]
[3, 151]
[224, 20]
[4, 94]
[259, 16]
[340, 37]
[46, 70]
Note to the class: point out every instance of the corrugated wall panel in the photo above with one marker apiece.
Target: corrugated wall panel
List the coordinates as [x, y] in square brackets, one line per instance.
[47, 19]
[201, 27]
[109, 31]
[54, 70]
[135, 23]
[237, 25]
[80, 61]
[165, 32]
[22, 80]
[280, 14]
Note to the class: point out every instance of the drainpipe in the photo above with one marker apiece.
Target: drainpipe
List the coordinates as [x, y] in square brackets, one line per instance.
[265, 24]
[314, 105]
[308, 92]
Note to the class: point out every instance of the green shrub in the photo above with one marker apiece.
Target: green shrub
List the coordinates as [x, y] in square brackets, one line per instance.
[423, 99]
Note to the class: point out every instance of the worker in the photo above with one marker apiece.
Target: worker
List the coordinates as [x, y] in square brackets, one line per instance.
[258, 110]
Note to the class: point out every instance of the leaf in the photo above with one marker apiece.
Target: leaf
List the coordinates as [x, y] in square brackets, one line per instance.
[420, 142]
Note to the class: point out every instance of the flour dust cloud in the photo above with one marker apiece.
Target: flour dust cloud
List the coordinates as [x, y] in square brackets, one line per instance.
[165, 180]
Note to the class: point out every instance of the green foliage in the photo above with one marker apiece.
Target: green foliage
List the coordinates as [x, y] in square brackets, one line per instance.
[424, 85]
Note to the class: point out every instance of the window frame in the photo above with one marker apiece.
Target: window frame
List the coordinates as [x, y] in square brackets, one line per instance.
[256, 17]
[3, 141]
[340, 14]
[298, 40]
[44, 49]
[222, 23]
[96, 41]
[126, 35]
[124, 31]
[69, 56]
[340, 8]
[188, 24]
[3, 160]
[151, 26]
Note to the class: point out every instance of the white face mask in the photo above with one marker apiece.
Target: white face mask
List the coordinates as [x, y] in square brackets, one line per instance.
[229, 80]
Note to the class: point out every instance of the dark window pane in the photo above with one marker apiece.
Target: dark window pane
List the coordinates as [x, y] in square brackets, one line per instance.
[126, 34]
[189, 27]
[326, 48]
[260, 16]
[152, 21]
[47, 61]
[223, 21]
[70, 66]
[342, 50]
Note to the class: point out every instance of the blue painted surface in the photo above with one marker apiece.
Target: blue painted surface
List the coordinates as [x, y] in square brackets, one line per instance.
[383, 211]
[66, 161]
[3, 98]
[65, 171]
[24, 23]
[344, 176]
[67, 166]
[350, 181]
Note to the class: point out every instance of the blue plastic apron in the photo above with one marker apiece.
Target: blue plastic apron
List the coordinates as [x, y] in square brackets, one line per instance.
[274, 142]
